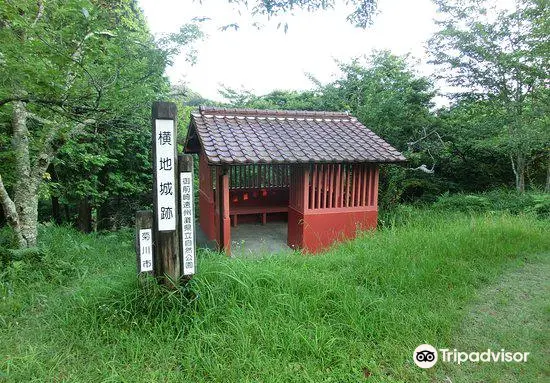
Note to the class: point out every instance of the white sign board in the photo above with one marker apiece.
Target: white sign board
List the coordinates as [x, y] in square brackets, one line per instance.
[165, 166]
[145, 250]
[187, 223]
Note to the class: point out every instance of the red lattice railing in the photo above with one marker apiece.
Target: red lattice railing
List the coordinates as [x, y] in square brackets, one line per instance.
[342, 186]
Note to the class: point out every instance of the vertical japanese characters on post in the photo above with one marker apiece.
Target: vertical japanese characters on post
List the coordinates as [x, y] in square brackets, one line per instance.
[173, 234]
[165, 167]
[145, 250]
[187, 218]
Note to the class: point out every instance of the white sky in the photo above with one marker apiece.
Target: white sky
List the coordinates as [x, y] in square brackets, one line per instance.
[269, 59]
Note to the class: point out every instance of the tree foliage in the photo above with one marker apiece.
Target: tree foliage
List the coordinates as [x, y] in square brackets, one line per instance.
[386, 94]
[501, 57]
[361, 15]
[75, 71]
[78, 78]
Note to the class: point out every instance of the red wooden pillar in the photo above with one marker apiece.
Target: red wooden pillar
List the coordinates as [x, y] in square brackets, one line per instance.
[375, 186]
[223, 221]
[206, 198]
[304, 187]
[298, 206]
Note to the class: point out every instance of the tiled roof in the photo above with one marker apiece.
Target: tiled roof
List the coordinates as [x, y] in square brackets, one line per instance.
[239, 136]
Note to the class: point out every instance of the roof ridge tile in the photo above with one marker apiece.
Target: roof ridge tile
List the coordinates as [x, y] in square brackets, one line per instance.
[232, 112]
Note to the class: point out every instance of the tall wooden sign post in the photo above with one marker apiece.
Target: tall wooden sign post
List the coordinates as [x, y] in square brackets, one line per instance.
[167, 262]
[166, 236]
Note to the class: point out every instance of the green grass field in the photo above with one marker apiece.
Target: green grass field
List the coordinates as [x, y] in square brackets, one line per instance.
[74, 312]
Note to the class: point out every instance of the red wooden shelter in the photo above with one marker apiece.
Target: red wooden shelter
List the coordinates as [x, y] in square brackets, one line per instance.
[318, 170]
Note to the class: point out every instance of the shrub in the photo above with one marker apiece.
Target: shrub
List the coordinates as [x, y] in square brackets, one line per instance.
[541, 206]
[463, 202]
[496, 200]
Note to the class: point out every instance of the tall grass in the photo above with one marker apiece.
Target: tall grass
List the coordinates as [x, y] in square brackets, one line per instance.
[497, 200]
[360, 308]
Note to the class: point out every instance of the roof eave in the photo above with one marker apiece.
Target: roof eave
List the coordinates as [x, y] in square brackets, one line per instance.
[192, 135]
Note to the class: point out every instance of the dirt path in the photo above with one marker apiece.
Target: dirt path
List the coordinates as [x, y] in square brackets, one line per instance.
[513, 314]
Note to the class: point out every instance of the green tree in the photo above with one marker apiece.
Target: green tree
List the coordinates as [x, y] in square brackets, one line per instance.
[473, 160]
[277, 99]
[384, 93]
[69, 68]
[361, 15]
[501, 57]
[388, 96]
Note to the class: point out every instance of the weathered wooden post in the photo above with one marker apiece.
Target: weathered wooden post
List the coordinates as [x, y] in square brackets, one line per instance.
[165, 237]
[167, 259]
[222, 219]
[187, 219]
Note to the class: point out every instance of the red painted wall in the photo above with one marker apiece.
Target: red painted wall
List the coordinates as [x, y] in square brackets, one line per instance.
[295, 230]
[337, 200]
[206, 209]
[316, 232]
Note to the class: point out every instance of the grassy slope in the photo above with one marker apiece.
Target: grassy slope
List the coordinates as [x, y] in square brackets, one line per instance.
[513, 314]
[364, 305]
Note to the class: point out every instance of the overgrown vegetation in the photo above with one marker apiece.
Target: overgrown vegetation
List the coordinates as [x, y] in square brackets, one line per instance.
[74, 125]
[80, 76]
[74, 311]
[496, 200]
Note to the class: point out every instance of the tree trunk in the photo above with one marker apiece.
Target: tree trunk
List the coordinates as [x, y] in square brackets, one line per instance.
[10, 211]
[84, 216]
[519, 166]
[28, 217]
[22, 210]
[520, 177]
[25, 196]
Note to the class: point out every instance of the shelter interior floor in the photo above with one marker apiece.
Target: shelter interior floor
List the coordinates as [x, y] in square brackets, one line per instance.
[253, 239]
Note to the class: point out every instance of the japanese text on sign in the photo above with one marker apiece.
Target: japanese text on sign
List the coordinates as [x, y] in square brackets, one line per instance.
[166, 199]
[187, 223]
[145, 250]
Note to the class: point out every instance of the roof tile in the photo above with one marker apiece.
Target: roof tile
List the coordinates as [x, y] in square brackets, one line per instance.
[231, 136]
